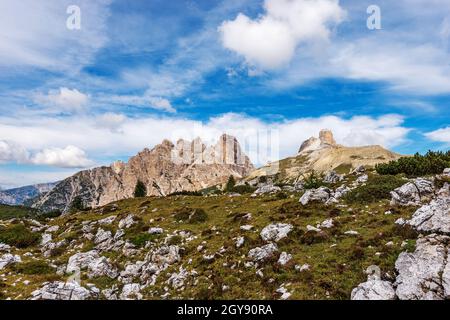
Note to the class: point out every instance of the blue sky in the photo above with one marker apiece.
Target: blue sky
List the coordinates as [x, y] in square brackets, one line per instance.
[141, 71]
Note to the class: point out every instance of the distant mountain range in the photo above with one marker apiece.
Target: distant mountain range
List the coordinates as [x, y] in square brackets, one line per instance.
[20, 196]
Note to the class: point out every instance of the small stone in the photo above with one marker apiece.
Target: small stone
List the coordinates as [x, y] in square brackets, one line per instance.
[284, 258]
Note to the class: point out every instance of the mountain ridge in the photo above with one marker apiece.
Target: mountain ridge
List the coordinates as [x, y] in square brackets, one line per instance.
[21, 195]
[164, 169]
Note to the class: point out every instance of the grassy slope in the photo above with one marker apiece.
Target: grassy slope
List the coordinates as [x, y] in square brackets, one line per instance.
[9, 212]
[337, 260]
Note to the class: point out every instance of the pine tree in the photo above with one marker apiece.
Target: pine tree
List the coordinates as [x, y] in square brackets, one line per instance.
[76, 204]
[230, 184]
[140, 190]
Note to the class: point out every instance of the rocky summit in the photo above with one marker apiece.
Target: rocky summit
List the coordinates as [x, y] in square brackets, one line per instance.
[323, 155]
[165, 169]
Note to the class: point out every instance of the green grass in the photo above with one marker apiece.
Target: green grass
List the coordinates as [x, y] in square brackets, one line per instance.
[10, 212]
[19, 236]
[337, 261]
[376, 189]
[33, 268]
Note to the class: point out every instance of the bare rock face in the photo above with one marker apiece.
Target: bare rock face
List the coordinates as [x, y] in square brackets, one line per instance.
[309, 145]
[412, 193]
[424, 274]
[435, 216]
[260, 254]
[326, 138]
[167, 168]
[62, 291]
[276, 232]
[374, 290]
[321, 194]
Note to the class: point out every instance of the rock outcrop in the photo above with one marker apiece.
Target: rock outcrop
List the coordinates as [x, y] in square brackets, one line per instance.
[435, 216]
[425, 273]
[167, 168]
[413, 192]
[375, 289]
[276, 232]
[62, 291]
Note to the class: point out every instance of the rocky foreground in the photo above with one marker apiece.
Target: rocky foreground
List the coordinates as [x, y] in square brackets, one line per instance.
[279, 242]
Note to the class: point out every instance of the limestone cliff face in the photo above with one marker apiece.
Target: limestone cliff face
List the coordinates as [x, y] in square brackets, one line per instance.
[325, 140]
[167, 168]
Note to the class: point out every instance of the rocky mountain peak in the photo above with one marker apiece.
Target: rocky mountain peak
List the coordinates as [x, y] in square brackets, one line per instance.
[326, 137]
[165, 169]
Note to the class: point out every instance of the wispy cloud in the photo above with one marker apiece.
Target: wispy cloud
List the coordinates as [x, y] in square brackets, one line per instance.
[63, 100]
[34, 34]
[441, 135]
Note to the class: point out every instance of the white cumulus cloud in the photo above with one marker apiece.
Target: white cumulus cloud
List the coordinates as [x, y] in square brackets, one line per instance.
[270, 40]
[10, 151]
[69, 157]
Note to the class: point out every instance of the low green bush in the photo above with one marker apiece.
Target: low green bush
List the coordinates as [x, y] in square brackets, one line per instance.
[50, 214]
[33, 267]
[313, 181]
[19, 236]
[377, 188]
[190, 215]
[418, 165]
[243, 189]
[187, 193]
[139, 240]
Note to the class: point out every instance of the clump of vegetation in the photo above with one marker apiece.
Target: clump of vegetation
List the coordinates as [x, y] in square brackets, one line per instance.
[140, 190]
[174, 240]
[33, 268]
[439, 182]
[9, 212]
[187, 193]
[50, 214]
[262, 179]
[77, 205]
[377, 188]
[281, 195]
[312, 237]
[139, 240]
[230, 184]
[418, 165]
[18, 236]
[243, 189]
[190, 215]
[313, 181]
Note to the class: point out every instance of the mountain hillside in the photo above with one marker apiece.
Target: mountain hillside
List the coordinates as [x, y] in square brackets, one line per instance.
[288, 243]
[322, 155]
[167, 168]
[19, 196]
